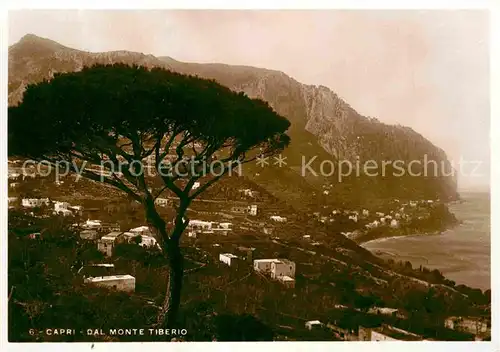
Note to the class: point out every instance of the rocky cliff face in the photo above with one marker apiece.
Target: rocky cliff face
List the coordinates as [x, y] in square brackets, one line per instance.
[323, 125]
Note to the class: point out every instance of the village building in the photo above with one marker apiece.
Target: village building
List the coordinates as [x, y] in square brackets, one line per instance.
[247, 192]
[394, 223]
[14, 176]
[200, 225]
[314, 324]
[263, 265]
[228, 259]
[287, 281]
[252, 210]
[386, 333]
[162, 202]
[196, 185]
[106, 244]
[366, 213]
[34, 202]
[148, 242]
[474, 325]
[278, 218]
[119, 282]
[141, 230]
[282, 267]
[225, 225]
[93, 225]
[90, 235]
[76, 209]
[60, 206]
[393, 312]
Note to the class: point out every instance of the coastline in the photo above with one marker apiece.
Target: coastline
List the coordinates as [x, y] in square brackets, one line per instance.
[379, 239]
[447, 223]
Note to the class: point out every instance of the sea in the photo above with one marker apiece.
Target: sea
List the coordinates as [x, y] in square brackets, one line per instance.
[461, 253]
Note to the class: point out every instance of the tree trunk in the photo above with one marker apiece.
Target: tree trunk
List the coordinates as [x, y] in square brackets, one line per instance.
[168, 315]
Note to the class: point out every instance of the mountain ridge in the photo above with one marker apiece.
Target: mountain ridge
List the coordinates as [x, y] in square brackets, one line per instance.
[323, 124]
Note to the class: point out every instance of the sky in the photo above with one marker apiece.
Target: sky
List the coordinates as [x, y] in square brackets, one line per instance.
[425, 69]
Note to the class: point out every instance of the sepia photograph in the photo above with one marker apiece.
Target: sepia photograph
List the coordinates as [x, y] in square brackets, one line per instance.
[248, 175]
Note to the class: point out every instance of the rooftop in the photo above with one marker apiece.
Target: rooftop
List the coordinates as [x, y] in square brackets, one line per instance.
[110, 278]
[139, 229]
[397, 334]
[267, 260]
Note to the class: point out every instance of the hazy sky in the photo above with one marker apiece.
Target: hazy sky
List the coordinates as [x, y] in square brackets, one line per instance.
[425, 69]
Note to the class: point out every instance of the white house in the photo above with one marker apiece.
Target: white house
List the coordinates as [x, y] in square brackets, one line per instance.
[252, 210]
[14, 176]
[107, 243]
[394, 223]
[34, 202]
[225, 225]
[247, 192]
[263, 265]
[148, 241]
[200, 225]
[228, 258]
[64, 212]
[141, 230]
[312, 324]
[119, 282]
[60, 206]
[380, 214]
[278, 218]
[162, 202]
[366, 213]
[282, 267]
[196, 185]
[353, 218]
[383, 311]
[92, 225]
